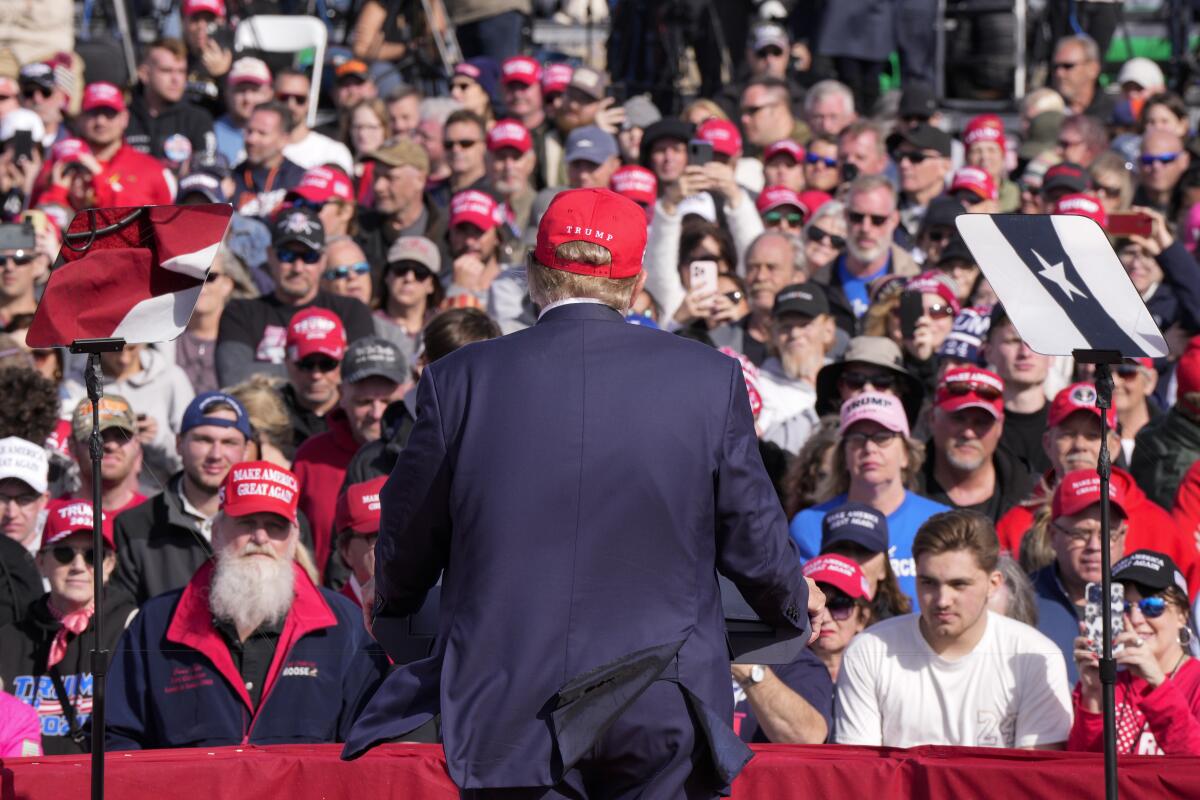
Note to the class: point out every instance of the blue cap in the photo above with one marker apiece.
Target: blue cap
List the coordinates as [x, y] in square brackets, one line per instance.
[195, 415]
[965, 340]
[856, 523]
[590, 143]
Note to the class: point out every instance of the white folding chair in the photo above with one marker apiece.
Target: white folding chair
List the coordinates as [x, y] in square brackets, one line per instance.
[277, 33]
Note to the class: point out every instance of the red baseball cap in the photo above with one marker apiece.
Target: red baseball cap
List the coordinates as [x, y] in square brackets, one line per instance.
[773, 197]
[637, 183]
[509, 133]
[1187, 377]
[971, 387]
[214, 7]
[322, 184]
[102, 95]
[477, 208]
[600, 216]
[721, 134]
[72, 516]
[316, 330]
[1080, 489]
[358, 507]
[1082, 205]
[984, 128]
[556, 78]
[976, 180]
[1077, 397]
[841, 573]
[69, 151]
[784, 147]
[812, 200]
[254, 487]
[934, 282]
[521, 69]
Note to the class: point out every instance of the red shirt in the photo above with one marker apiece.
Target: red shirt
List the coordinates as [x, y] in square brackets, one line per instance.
[320, 467]
[129, 178]
[1162, 721]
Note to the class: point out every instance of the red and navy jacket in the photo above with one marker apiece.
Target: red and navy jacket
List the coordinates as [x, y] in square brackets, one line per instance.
[173, 683]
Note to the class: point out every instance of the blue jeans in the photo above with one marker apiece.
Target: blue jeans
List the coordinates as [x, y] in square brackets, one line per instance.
[498, 37]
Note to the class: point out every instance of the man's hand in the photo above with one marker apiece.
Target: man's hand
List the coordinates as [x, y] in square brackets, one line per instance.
[1160, 236]
[147, 429]
[611, 116]
[368, 604]
[723, 181]
[816, 607]
[216, 59]
[468, 272]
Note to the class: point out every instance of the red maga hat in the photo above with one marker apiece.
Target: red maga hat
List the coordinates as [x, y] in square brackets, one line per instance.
[73, 516]
[315, 330]
[509, 133]
[521, 69]
[637, 183]
[1077, 397]
[600, 216]
[1079, 490]
[971, 387]
[358, 507]
[260, 487]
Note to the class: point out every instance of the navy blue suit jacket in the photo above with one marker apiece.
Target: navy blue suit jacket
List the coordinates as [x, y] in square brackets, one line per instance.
[579, 483]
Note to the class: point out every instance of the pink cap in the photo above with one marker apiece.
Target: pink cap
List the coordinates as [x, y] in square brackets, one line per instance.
[358, 507]
[1191, 229]
[477, 208]
[260, 487]
[509, 133]
[249, 70]
[322, 184]
[600, 216]
[784, 147]
[637, 183]
[315, 330]
[885, 409]
[73, 516]
[214, 7]
[976, 180]
[773, 197]
[521, 69]
[69, 151]
[841, 573]
[1077, 397]
[556, 78]
[1082, 205]
[934, 282]
[984, 128]
[1079, 490]
[102, 95]
[722, 135]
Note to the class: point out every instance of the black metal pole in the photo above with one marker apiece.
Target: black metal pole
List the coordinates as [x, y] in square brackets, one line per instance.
[95, 390]
[1108, 667]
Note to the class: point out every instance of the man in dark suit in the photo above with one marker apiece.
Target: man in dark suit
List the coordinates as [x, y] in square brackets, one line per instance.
[577, 486]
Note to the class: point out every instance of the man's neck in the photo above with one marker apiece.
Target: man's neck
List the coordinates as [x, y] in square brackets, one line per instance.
[105, 153]
[11, 307]
[965, 487]
[784, 131]
[1024, 399]
[465, 180]
[412, 318]
[298, 133]
[1075, 589]
[204, 326]
[884, 497]
[923, 196]
[1083, 100]
[407, 216]
[271, 163]
[954, 648]
[154, 103]
[296, 302]
[321, 409]
[1158, 199]
[861, 269]
[113, 495]
[206, 502]
[534, 118]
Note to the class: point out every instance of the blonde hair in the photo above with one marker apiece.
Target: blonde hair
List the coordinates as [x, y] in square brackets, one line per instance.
[838, 481]
[259, 394]
[548, 285]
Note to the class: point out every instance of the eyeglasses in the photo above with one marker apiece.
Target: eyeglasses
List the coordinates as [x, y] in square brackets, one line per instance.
[840, 608]
[939, 311]
[776, 217]
[23, 500]
[1064, 144]
[857, 218]
[402, 268]
[309, 256]
[36, 91]
[915, 156]
[770, 51]
[1083, 537]
[939, 235]
[878, 438]
[460, 144]
[813, 158]
[321, 364]
[750, 111]
[66, 555]
[1112, 192]
[984, 390]
[1149, 159]
[735, 296]
[860, 380]
[19, 259]
[1151, 607]
[346, 270]
[213, 277]
[817, 235]
[1065, 66]
[292, 99]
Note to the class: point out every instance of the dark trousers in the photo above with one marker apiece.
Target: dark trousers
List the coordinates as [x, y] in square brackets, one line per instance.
[498, 36]
[1098, 20]
[651, 752]
[863, 79]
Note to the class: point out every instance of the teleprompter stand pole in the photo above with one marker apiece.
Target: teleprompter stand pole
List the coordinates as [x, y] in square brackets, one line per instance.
[1108, 667]
[95, 391]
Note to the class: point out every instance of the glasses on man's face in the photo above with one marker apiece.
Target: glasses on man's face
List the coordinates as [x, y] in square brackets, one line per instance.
[939, 311]
[323, 364]
[914, 157]
[813, 158]
[1080, 536]
[1065, 66]
[460, 144]
[752, 111]
[64, 554]
[292, 99]
[21, 259]
[817, 236]
[858, 218]
[984, 390]
[1162, 159]
[1066, 144]
[401, 268]
[24, 500]
[1151, 607]
[309, 256]
[347, 270]
[857, 381]
[795, 219]
[36, 92]
[770, 51]
[858, 439]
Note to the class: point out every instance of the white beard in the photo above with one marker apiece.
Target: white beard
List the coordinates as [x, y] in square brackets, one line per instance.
[249, 591]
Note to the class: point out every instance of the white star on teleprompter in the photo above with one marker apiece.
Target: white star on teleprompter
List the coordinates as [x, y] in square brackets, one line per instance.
[1057, 274]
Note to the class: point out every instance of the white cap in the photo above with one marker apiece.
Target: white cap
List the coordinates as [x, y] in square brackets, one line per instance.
[22, 119]
[24, 461]
[249, 70]
[1142, 71]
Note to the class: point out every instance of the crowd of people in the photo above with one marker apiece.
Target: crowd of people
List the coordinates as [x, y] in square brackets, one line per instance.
[939, 476]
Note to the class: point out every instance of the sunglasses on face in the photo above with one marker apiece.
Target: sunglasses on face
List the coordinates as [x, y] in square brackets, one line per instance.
[402, 268]
[857, 381]
[346, 270]
[288, 256]
[292, 99]
[914, 156]
[773, 52]
[1065, 66]
[857, 218]
[878, 438]
[840, 608]
[735, 296]
[817, 235]
[320, 363]
[776, 217]
[20, 259]
[813, 158]
[939, 311]
[460, 144]
[1149, 160]
[33, 92]
[1127, 370]
[1112, 192]
[1151, 607]
[66, 555]
[984, 390]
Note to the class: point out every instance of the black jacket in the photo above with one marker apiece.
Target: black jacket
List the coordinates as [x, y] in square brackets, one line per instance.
[1014, 481]
[1164, 450]
[20, 581]
[375, 237]
[149, 134]
[377, 458]
[24, 650]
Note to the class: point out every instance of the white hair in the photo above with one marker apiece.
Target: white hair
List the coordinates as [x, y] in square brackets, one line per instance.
[249, 590]
[829, 88]
[438, 108]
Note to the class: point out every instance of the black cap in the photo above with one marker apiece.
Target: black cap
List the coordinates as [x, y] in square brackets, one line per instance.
[922, 137]
[666, 128]
[942, 210]
[955, 250]
[1066, 176]
[918, 100]
[373, 356]
[806, 299]
[1151, 569]
[298, 225]
[855, 523]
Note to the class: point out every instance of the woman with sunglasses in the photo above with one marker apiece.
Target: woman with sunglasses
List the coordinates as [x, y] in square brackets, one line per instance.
[921, 337]
[847, 609]
[825, 236]
[45, 657]
[1158, 689]
[859, 532]
[412, 292]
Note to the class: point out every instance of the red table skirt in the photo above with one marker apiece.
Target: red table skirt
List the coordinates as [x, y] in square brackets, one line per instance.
[778, 772]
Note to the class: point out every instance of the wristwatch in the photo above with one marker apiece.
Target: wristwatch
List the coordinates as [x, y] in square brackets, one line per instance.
[758, 673]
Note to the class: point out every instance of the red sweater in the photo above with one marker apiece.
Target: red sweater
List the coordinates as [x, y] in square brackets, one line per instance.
[1162, 721]
[129, 178]
[320, 467]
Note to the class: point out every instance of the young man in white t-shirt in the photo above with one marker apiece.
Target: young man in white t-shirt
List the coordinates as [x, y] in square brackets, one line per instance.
[955, 673]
